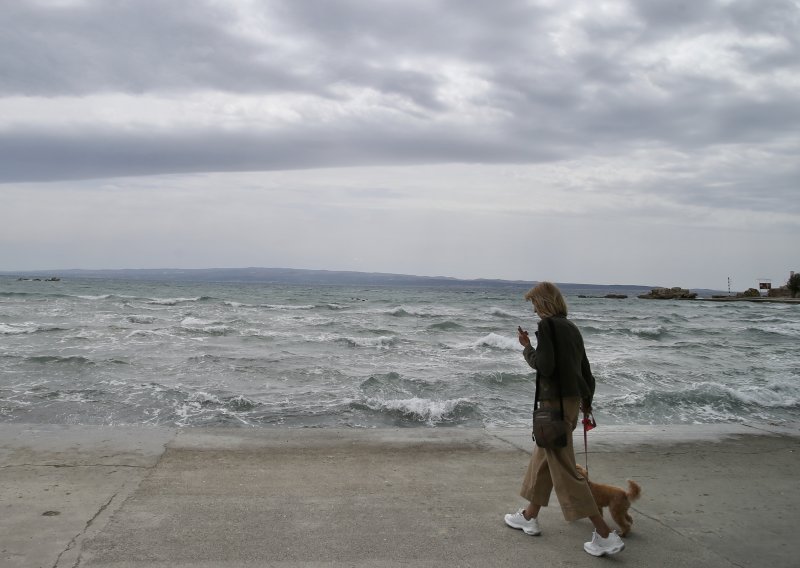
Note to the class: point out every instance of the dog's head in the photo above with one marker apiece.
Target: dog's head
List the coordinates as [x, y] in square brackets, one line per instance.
[582, 471]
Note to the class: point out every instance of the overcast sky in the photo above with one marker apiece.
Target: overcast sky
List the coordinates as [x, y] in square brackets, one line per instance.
[618, 142]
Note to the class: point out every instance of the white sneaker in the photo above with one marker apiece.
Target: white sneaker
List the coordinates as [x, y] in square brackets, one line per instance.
[518, 521]
[600, 546]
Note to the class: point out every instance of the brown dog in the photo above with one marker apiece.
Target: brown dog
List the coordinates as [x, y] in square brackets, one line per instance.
[616, 499]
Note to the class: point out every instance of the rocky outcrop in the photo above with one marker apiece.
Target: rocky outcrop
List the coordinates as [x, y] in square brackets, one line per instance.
[782, 292]
[669, 294]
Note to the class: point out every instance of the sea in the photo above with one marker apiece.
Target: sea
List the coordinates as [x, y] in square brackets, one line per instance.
[119, 352]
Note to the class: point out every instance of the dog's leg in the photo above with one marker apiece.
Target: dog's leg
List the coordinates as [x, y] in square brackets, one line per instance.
[622, 518]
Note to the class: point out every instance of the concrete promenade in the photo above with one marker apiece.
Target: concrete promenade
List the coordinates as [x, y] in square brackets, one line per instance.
[712, 496]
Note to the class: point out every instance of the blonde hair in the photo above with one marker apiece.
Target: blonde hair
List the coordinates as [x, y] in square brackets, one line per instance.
[547, 300]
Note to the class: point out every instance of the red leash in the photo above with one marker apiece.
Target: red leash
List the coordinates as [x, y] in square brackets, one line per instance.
[588, 424]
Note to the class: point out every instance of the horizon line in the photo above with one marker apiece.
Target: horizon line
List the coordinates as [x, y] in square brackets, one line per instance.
[328, 271]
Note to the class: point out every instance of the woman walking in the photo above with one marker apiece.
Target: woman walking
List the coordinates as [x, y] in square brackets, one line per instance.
[562, 374]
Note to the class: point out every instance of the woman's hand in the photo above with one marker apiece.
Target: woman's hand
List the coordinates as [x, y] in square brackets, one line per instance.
[522, 335]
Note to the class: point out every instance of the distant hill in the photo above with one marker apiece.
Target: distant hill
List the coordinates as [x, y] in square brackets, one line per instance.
[320, 277]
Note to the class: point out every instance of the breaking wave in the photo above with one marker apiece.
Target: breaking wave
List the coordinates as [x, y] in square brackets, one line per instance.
[496, 341]
[422, 410]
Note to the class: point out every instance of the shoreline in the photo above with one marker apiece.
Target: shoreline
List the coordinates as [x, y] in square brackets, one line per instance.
[755, 300]
[86, 496]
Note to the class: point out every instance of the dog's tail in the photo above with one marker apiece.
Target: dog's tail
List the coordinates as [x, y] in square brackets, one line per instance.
[633, 490]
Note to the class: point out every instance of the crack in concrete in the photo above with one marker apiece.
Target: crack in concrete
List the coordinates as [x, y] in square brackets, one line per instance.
[688, 536]
[59, 465]
[508, 442]
[128, 485]
[665, 451]
[85, 528]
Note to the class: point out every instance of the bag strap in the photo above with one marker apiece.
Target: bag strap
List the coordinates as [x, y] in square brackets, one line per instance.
[552, 327]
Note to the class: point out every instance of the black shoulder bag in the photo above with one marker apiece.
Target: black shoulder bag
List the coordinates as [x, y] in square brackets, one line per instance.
[550, 430]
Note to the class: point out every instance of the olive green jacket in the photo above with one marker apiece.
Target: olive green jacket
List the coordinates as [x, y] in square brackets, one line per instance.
[574, 372]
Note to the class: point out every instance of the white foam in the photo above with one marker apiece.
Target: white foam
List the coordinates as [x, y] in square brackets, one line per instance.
[760, 395]
[651, 331]
[148, 333]
[497, 341]
[431, 411]
[194, 322]
[416, 312]
[141, 319]
[201, 397]
[204, 326]
[382, 341]
[17, 329]
[171, 301]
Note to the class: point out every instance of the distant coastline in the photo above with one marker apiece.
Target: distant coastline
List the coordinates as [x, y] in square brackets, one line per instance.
[755, 300]
[320, 277]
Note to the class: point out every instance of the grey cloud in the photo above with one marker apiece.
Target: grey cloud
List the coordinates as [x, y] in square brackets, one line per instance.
[679, 14]
[741, 188]
[140, 46]
[93, 153]
[350, 36]
[455, 27]
[779, 17]
[554, 105]
[134, 46]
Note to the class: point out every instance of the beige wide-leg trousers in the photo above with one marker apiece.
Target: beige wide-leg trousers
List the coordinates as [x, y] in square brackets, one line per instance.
[555, 469]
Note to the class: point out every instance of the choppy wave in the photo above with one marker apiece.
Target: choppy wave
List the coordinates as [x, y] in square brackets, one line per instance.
[649, 332]
[141, 319]
[496, 341]
[704, 401]
[10, 294]
[27, 328]
[785, 329]
[501, 313]
[498, 378]
[217, 354]
[176, 301]
[198, 325]
[406, 311]
[446, 326]
[57, 359]
[402, 312]
[382, 341]
[185, 406]
[17, 329]
[149, 333]
[422, 410]
[394, 386]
